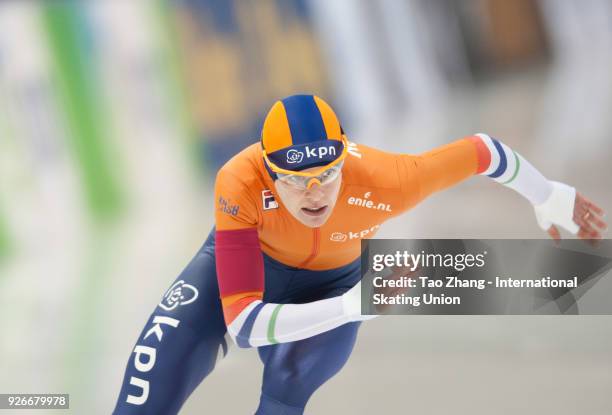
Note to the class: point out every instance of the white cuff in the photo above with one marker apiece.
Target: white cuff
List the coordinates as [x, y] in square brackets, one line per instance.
[351, 304]
[558, 208]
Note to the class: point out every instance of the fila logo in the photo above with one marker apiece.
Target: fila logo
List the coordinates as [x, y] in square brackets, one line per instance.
[268, 201]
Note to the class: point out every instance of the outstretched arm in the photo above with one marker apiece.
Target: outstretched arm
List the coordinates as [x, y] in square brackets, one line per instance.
[555, 203]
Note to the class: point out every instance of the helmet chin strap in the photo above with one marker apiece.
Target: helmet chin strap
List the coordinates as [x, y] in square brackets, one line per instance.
[311, 182]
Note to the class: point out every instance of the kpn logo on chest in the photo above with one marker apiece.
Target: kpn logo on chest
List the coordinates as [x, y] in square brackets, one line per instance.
[350, 235]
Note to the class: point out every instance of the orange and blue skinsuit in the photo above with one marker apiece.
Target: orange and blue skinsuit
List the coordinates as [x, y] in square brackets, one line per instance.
[260, 265]
[376, 186]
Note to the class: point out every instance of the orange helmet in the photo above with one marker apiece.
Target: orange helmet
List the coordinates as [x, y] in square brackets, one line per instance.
[300, 132]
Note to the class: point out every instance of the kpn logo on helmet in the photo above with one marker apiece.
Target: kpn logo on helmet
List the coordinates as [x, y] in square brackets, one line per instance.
[294, 156]
[310, 152]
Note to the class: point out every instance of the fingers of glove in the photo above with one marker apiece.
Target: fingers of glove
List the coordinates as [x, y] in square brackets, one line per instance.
[590, 238]
[594, 221]
[554, 233]
[590, 231]
[583, 201]
[589, 218]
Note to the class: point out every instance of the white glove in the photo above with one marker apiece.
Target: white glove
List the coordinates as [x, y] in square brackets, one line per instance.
[351, 304]
[558, 209]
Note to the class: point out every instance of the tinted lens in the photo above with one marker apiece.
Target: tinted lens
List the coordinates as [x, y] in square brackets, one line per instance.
[290, 179]
[327, 176]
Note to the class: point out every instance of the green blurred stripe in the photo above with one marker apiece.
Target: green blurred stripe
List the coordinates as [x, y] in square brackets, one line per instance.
[272, 324]
[88, 137]
[517, 167]
[82, 107]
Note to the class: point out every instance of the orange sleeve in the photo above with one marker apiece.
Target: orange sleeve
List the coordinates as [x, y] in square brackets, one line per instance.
[435, 170]
[234, 205]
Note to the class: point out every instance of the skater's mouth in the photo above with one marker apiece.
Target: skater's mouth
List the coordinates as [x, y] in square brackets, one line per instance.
[315, 211]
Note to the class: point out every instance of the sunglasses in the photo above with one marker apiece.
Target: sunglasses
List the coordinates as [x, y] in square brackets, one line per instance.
[305, 182]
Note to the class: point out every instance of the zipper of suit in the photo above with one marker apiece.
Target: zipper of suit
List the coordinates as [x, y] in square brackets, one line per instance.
[315, 247]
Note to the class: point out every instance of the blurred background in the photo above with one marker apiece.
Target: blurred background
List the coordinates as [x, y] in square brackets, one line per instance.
[115, 116]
